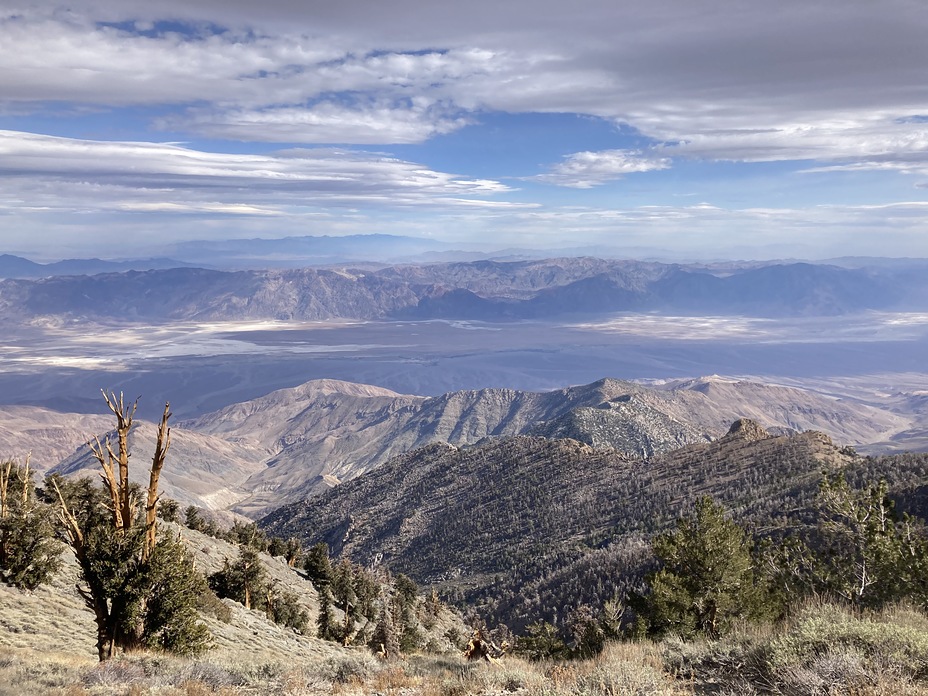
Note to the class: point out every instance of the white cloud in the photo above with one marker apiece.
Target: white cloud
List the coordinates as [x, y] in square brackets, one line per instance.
[589, 169]
[836, 84]
[69, 174]
[822, 79]
[326, 122]
[869, 141]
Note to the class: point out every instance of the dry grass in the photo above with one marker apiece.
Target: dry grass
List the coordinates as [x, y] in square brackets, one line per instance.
[621, 669]
[825, 650]
[830, 649]
[52, 615]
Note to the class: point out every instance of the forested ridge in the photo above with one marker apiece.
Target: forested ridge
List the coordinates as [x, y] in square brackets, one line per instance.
[536, 526]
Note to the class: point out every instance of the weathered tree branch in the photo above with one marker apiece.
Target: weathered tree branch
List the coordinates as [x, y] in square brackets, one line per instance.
[162, 445]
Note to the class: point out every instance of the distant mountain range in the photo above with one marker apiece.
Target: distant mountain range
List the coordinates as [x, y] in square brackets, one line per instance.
[295, 443]
[238, 254]
[482, 290]
[18, 267]
[308, 250]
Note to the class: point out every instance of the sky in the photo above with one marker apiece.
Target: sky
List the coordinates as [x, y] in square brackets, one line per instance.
[688, 129]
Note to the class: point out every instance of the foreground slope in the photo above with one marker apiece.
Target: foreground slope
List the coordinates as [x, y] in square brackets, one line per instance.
[55, 615]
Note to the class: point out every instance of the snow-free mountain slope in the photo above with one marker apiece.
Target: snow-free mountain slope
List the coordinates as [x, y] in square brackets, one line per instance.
[44, 435]
[200, 469]
[325, 431]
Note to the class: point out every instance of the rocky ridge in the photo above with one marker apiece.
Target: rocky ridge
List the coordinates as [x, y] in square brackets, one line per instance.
[327, 432]
[295, 443]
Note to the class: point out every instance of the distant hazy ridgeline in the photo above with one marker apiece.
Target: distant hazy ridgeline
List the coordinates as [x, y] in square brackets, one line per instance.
[486, 290]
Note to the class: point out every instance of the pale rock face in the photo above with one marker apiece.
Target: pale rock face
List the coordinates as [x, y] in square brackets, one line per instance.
[747, 429]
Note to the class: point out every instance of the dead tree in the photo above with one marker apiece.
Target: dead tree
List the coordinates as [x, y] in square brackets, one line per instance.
[123, 506]
[480, 647]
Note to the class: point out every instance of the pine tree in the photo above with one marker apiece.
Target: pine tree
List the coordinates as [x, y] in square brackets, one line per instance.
[193, 520]
[861, 551]
[345, 599]
[169, 510]
[407, 599]
[283, 607]
[541, 642]
[243, 580]
[175, 589]
[707, 575]
[318, 568]
[385, 640]
[317, 565]
[29, 553]
[326, 627]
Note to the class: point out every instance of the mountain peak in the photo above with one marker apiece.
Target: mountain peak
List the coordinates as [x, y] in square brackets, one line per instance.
[747, 429]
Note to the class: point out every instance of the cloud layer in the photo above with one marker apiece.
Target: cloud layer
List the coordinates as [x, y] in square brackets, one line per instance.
[830, 88]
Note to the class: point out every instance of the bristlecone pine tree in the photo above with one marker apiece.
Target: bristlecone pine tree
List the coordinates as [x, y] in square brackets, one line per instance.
[29, 553]
[707, 578]
[245, 580]
[142, 590]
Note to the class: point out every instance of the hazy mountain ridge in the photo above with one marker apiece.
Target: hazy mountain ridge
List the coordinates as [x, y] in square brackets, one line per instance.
[19, 267]
[205, 295]
[487, 290]
[291, 252]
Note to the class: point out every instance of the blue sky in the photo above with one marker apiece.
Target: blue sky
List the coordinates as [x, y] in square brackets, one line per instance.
[688, 129]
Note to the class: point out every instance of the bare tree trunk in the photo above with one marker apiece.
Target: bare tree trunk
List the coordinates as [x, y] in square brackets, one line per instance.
[157, 463]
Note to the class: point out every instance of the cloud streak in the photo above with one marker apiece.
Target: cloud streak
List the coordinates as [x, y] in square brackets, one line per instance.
[589, 169]
[720, 78]
[176, 175]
